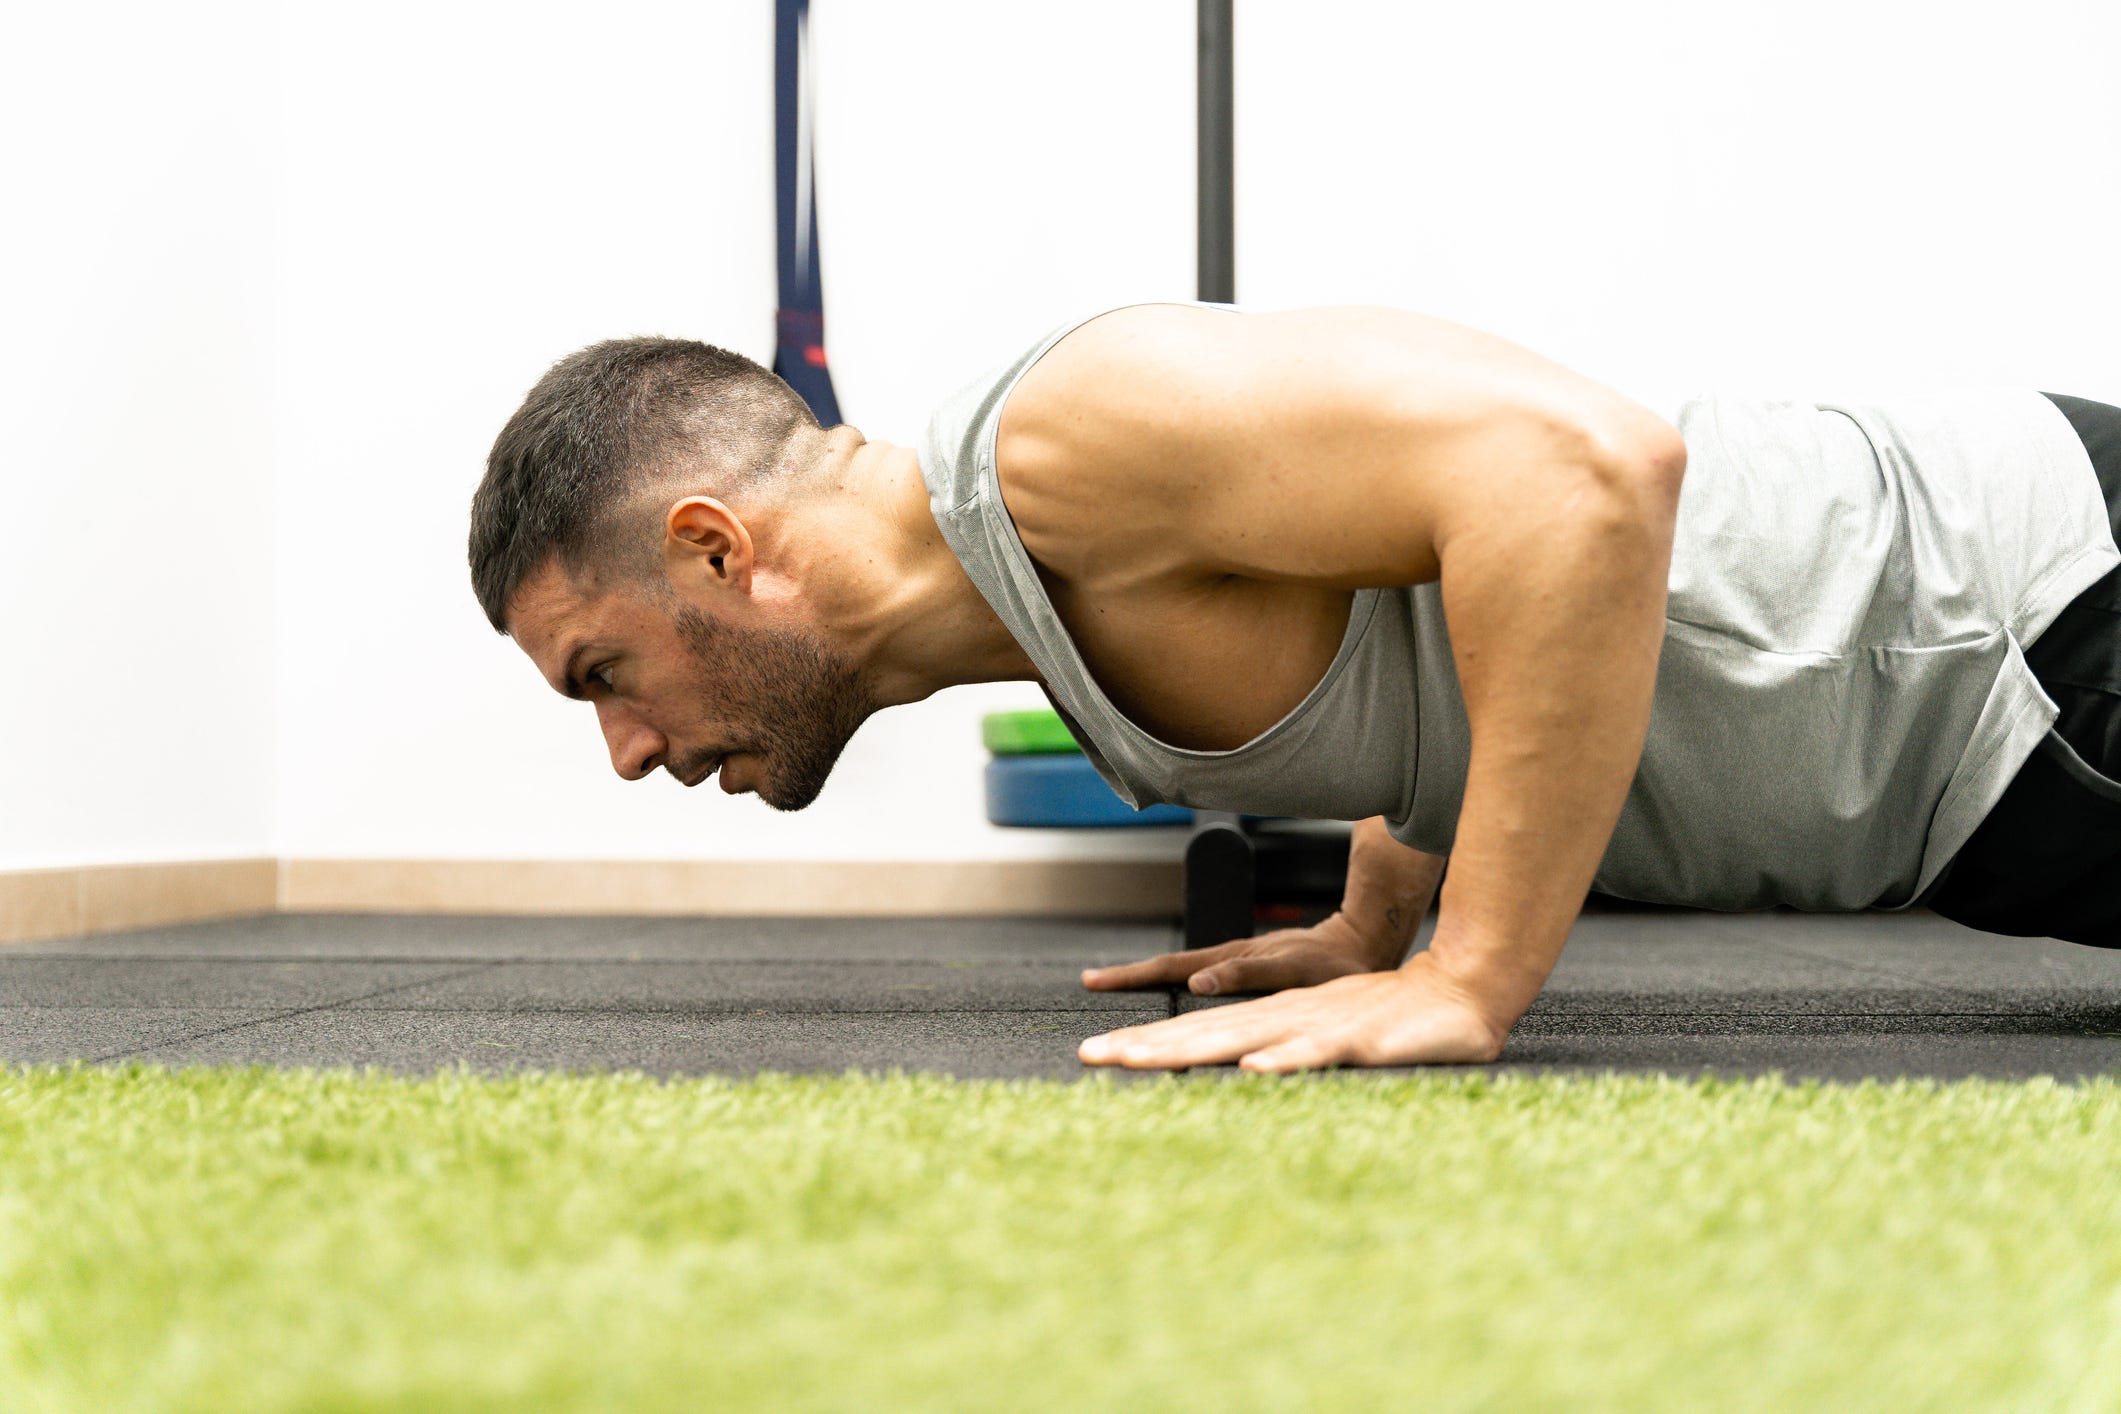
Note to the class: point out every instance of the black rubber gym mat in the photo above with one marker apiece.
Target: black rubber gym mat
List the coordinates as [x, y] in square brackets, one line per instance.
[1841, 997]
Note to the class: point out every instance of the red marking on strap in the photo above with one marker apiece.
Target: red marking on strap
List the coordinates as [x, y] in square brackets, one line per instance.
[814, 356]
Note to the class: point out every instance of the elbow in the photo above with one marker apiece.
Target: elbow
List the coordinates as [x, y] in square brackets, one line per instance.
[1627, 512]
[1654, 452]
[1665, 461]
[1631, 444]
[1641, 478]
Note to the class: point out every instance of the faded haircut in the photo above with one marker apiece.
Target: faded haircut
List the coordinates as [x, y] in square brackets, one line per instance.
[587, 467]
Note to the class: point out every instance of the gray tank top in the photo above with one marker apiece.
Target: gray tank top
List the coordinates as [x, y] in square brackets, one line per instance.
[1841, 695]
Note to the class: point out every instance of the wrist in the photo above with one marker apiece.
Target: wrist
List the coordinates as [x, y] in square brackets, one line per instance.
[1479, 1015]
[1389, 889]
[1381, 944]
[1491, 980]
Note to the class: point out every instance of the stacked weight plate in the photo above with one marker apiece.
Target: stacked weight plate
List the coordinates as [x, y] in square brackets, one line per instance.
[1241, 870]
[1039, 776]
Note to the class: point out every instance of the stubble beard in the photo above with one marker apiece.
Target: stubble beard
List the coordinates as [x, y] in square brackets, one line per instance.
[801, 701]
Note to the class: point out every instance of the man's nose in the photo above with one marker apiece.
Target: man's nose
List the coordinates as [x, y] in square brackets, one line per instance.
[636, 749]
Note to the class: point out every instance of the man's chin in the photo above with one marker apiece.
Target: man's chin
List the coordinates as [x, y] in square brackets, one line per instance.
[785, 804]
[786, 801]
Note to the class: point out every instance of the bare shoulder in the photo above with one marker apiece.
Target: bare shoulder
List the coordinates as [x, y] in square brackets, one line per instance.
[1198, 439]
[1146, 368]
[1074, 504]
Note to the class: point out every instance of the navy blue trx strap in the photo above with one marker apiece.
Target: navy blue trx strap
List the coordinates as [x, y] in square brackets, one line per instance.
[799, 347]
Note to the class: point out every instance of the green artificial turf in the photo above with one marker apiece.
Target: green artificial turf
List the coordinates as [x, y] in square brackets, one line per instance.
[254, 1239]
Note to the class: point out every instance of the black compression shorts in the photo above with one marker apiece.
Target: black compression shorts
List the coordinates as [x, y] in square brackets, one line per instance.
[2046, 861]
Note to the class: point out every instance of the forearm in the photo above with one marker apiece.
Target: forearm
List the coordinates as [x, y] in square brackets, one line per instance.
[1390, 887]
[1556, 622]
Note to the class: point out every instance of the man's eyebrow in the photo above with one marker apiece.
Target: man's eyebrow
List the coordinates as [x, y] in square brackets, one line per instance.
[568, 685]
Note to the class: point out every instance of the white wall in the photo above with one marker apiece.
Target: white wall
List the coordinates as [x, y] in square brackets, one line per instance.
[1792, 198]
[137, 242]
[1797, 199]
[474, 195]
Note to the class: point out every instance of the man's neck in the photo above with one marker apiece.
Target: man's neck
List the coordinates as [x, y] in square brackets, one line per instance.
[890, 590]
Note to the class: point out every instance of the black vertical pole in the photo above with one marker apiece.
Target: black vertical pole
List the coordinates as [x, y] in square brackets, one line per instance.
[1216, 217]
[1219, 853]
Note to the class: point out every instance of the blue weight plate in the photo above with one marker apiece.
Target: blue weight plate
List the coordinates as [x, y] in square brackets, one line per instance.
[1063, 791]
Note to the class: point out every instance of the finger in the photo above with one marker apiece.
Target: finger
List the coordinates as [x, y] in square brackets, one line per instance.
[1270, 974]
[1308, 1052]
[1186, 1023]
[1103, 1050]
[1201, 1038]
[1166, 971]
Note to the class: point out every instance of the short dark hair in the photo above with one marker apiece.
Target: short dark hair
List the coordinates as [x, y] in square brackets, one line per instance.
[585, 468]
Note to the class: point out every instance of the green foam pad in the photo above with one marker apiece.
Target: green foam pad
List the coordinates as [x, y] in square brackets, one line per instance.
[1030, 733]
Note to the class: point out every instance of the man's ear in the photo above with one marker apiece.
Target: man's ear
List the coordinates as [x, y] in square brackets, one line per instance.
[705, 524]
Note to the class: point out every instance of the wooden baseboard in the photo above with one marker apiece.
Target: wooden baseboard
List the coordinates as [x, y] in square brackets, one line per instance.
[37, 905]
[40, 905]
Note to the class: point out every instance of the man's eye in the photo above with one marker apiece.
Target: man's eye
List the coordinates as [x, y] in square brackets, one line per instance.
[600, 676]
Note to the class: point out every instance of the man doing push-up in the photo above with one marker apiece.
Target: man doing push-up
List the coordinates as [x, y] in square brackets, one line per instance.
[1364, 564]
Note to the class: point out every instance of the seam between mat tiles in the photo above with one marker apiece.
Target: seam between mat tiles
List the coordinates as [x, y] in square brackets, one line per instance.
[1876, 970]
[1563, 1015]
[631, 928]
[283, 1015]
[1174, 942]
[552, 960]
[1146, 1005]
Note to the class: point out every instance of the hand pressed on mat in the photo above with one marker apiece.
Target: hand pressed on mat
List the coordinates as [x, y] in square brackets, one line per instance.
[1286, 957]
[1418, 1014]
